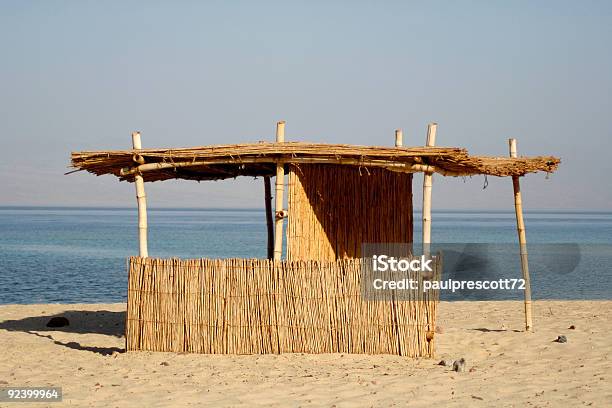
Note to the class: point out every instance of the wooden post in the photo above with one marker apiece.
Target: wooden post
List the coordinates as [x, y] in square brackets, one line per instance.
[278, 199]
[520, 228]
[141, 198]
[427, 184]
[399, 138]
[269, 222]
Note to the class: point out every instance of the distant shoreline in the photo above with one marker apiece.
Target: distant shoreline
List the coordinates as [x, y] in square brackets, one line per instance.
[257, 209]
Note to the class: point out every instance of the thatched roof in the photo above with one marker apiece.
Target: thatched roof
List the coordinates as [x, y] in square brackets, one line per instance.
[259, 159]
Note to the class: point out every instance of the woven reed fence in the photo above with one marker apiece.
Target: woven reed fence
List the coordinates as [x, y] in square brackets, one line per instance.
[333, 209]
[256, 306]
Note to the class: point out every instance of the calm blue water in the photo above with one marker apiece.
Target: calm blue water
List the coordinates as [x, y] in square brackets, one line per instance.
[69, 255]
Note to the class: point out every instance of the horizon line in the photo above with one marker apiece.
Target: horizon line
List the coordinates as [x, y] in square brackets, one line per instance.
[228, 208]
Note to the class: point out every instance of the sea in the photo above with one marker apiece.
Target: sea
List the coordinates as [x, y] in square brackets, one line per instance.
[78, 255]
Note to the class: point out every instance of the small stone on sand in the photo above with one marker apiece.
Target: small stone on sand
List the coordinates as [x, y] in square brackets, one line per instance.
[459, 365]
[561, 339]
[58, 321]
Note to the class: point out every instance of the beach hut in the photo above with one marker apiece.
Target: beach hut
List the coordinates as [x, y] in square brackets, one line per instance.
[309, 300]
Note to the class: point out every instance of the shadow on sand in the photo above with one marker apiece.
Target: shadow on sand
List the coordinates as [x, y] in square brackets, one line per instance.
[485, 330]
[81, 322]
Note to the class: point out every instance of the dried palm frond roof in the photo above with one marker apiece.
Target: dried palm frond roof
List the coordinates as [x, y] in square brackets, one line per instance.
[259, 159]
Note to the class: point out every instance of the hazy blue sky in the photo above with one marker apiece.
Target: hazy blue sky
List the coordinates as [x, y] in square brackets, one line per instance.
[83, 75]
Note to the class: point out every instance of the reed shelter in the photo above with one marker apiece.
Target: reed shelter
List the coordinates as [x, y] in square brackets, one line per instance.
[307, 299]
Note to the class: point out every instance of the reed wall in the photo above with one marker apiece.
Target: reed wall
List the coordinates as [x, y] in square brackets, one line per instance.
[258, 306]
[333, 209]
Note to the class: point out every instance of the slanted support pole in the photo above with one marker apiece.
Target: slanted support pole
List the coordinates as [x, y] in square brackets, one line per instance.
[280, 213]
[141, 198]
[520, 228]
[427, 184]
[269, 221]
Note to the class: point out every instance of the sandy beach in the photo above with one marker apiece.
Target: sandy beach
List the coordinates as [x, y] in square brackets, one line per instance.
[505, 366]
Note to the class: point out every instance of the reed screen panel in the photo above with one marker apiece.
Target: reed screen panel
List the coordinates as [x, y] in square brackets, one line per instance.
[258, 306]
[333, 209]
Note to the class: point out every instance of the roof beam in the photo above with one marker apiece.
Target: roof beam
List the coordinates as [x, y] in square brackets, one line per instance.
[397, 166]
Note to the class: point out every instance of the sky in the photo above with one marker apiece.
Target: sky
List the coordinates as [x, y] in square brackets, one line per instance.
[81, 75]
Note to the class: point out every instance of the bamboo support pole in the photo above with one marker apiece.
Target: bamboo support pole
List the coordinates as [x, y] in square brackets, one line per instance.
[520, 228]
[269, 217]
[141, 198]
[399, 138]
[427, 185]
[278, 199]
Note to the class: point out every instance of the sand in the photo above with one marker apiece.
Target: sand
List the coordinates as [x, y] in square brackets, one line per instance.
[506, 367]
